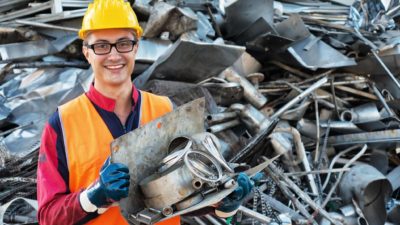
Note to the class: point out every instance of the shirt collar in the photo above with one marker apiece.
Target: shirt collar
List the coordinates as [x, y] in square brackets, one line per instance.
[107, 103]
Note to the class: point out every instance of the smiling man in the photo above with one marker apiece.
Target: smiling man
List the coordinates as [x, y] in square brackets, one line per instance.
[77, 184]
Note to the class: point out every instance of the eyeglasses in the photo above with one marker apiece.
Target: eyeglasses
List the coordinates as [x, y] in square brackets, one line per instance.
[105, 48]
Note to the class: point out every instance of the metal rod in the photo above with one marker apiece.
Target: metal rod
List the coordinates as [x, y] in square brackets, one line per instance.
[45, 25]
[357, 92]
[255, 215]
[223, 126]
[386, 69]
[316, 172]
[382, 100]
[333, 161]
[273, 173]
[359, 154]
[212, 220]
[285, 86]
[317, 208]
[301, 152]
[298, 98]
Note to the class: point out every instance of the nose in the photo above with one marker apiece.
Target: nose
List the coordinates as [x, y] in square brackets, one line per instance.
[114, 54]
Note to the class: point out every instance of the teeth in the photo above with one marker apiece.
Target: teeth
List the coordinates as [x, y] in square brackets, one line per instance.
[114, 67]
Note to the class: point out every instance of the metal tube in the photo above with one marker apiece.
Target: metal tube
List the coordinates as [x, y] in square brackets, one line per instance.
[333, 189]
[384, 136]
[220, 117]
[300, 97]
[212, 220]
[199, 221]
[45, 25]
[301, 152]
[223, 126]
[333, 161]
[255, 215]
[250, 93]
[357, 92]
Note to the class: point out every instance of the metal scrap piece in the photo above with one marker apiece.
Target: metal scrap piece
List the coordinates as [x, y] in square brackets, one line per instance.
[142, 158]
[191, 62]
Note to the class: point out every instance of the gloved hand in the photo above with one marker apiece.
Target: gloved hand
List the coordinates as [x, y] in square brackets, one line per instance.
[112, 186]
[231, 203]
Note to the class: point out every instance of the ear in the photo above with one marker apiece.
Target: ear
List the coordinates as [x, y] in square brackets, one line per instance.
[85, 52]
[135, 48]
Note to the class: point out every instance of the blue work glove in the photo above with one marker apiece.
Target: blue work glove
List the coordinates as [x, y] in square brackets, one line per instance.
[231, 203]
[112, 186]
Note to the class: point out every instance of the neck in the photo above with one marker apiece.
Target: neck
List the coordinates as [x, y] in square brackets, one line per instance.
[122, 95]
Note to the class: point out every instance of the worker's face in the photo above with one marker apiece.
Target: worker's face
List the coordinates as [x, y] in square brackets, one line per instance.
[114, 68]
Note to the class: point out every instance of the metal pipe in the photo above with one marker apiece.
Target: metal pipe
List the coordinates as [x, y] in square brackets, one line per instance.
[300, 97]
[361, 114]
[223, 126]
[250, 93]
[255, 215]
[333, 161]
[316, 172]
[45, 25]
[357, 92]
[284, 87]
[221, 117]
[301, 152]
[333, 189]
[212, 220]
[254, 120]
[385, 136]
[199, 221]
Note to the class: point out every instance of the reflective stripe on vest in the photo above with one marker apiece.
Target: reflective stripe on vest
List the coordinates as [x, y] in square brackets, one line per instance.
[87, 142]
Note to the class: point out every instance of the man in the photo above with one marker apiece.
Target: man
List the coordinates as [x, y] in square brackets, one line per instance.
[77, 184]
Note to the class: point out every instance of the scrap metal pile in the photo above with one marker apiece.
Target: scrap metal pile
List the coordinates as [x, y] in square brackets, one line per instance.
[314, 81]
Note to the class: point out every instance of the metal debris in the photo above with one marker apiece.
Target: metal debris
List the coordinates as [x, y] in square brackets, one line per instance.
[313, 81]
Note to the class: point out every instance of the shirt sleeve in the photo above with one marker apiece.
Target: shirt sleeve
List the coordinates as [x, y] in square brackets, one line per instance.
[57, 205]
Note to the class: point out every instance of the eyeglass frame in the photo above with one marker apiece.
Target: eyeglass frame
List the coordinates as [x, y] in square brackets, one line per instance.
[134, 42]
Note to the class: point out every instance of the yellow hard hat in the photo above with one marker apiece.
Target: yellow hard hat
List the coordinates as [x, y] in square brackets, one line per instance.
[107, 14]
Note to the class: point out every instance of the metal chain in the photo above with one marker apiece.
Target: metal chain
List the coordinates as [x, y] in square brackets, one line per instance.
[255, 202]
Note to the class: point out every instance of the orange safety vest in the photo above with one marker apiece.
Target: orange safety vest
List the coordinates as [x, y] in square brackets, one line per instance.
[87, 142]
